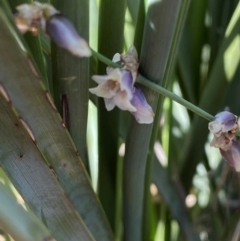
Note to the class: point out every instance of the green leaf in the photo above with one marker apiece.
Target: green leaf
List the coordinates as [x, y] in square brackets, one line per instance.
[19, 223]
[159, 27]
[70, 77]
[108, 122]
[34, 105]
[35, 181]
[133, 6]
[33, 43]
[169, 69]
[218, 80]
[170, 193]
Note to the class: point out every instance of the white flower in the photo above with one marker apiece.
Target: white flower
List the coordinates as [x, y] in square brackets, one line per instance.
[224, 126]
[223, 122]
[116, 89]
[34, 14]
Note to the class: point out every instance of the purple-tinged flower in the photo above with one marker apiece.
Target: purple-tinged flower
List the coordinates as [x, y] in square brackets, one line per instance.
[144, 113]
[36, 15]
[232, 155]
[224, 126]
[63, 33]
[33, 16]
[223, 122]
[116, 89]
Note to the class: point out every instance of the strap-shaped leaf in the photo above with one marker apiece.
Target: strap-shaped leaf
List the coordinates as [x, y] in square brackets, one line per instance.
[158, 34]
[173, 199]
[22, 225]
[35, 107]
[108, 140]
[71, 75]
[32, 177]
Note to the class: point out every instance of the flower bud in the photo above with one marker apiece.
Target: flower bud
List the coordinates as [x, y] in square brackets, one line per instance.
[63, 33]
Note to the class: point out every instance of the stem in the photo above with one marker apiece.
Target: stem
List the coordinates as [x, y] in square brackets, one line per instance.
[142, 80]
[104, 59]
[178, 99]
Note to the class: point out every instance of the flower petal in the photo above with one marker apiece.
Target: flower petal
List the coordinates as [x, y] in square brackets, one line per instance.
[215, 127]
[30, 12]
[117, 81]
[232, 155]
[100, 78]
[127, 83]
[115, 59]
[35, 14]
[63, 33]
[222, 142]
[109, 104]
[122, 101]
[106, 89]
[22, 24]
[144, 113]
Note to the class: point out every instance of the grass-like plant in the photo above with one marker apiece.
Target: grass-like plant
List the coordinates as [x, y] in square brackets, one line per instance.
[154, 173]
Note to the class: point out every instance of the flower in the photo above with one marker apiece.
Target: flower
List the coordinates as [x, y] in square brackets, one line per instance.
[33, 16]
[115, 88]
[232, 155]
[223, 122]
[36, 15]
[144, 113]
[224, 127]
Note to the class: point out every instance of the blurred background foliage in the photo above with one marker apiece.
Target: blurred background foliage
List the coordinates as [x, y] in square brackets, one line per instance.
[130, 182]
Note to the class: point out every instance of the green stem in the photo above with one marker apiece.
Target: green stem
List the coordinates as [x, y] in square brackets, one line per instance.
[104, 59]
[174, 97]
[142, 80]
